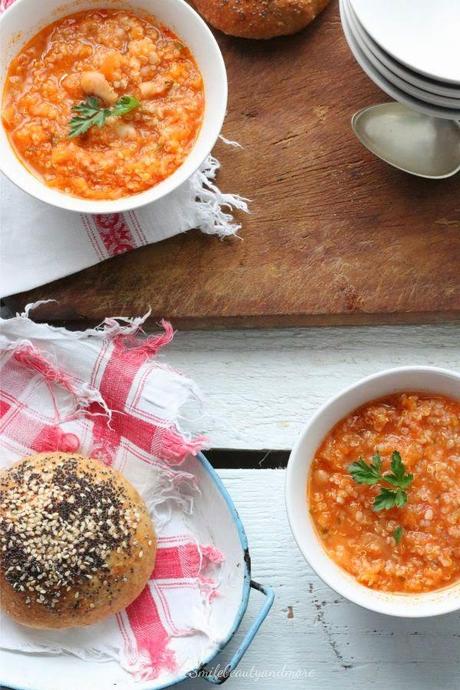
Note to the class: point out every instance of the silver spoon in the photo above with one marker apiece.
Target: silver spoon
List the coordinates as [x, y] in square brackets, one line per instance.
[408, 140]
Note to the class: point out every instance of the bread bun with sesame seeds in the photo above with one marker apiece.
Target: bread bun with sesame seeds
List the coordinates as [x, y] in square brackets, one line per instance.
[259, 18]
[76, 541]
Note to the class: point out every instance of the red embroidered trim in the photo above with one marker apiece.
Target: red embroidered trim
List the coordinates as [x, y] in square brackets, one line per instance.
[115, 233]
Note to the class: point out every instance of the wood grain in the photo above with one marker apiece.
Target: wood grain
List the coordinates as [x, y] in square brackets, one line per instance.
[334, 236]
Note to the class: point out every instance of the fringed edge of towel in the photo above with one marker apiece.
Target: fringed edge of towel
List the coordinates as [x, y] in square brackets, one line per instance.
[214, 207]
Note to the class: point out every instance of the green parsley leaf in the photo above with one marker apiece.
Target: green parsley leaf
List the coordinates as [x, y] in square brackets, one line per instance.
[384, 500]
[124, 105]
[90, 113]
[88, 107]
[398, 534]
[399, 480]
[400, 498]
[399, 477]
[364, 473]
[388, 498]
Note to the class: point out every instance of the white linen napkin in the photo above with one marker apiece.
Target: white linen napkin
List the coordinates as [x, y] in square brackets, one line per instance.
[40, 243]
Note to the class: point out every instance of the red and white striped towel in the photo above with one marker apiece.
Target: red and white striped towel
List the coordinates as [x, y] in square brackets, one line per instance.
[104, 393]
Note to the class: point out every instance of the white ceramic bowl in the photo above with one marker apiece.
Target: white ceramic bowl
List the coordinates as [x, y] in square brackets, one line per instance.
[419, 379]
[26, 17]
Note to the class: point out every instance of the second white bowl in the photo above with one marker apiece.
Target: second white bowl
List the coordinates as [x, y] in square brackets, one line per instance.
[404, 379]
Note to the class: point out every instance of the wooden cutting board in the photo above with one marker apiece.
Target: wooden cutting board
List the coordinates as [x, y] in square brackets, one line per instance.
[334, 235]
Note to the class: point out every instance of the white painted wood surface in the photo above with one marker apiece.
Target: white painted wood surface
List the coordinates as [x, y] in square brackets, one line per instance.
[313, 639]
[261, 386]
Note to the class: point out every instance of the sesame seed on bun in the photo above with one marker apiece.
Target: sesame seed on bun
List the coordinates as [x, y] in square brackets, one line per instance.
[76, 541]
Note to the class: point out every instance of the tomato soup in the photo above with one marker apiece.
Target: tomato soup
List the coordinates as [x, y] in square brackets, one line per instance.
[409, 548]
[104, 55]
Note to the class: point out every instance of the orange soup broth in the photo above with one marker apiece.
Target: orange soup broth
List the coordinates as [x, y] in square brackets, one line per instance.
[138, 57]
[426, 432]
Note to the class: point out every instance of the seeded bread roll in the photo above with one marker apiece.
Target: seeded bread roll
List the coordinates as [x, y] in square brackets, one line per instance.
[76, 541]
[259, 18]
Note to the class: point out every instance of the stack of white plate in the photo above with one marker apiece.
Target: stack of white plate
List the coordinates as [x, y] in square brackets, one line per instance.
[410, 48]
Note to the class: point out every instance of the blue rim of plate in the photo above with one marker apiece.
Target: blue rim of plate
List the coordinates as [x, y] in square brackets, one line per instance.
[246, 583]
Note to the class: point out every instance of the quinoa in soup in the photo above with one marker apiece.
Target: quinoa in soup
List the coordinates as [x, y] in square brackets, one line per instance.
[384, 493]
[103, 56]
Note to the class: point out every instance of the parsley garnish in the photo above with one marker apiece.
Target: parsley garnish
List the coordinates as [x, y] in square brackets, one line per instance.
[398, 534]
[90, 113]
[367, 474]
[371, 473]
[388, 498]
